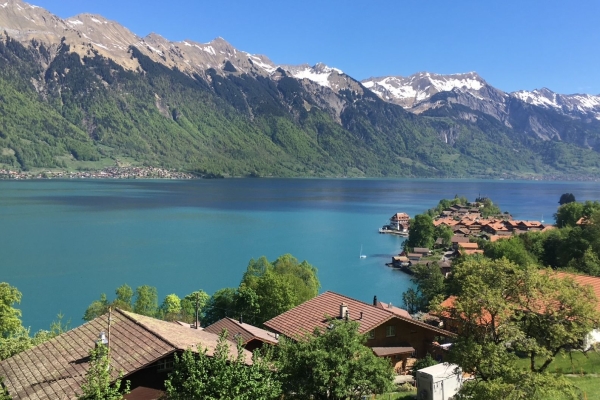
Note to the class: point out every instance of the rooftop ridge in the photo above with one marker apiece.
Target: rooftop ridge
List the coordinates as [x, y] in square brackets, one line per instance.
[125, 314]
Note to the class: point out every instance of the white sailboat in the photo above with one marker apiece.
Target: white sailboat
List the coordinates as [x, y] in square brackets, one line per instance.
[361, 255]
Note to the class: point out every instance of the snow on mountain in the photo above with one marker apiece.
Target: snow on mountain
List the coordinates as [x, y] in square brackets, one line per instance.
[319, 73]
[409, 91]
[575, 103]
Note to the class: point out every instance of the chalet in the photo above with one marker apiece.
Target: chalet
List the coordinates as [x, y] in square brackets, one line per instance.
[141, 347]
[400, 222]
[400, 261]
[414, 256]
[422, 250]
[251, 337]
[389, 333]
[459, 240]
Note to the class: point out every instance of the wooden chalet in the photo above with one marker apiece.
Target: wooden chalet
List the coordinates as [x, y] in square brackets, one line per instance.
[141, 347]
[390, 333]
[251, 337]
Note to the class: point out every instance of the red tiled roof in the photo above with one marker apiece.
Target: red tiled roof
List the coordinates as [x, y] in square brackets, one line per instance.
[317, 312]
[248, 332]
[56, 369]
[584, 280]
[469, 246]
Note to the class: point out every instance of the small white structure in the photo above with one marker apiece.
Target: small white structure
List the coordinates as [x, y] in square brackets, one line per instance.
[591, 339]
[439, 382]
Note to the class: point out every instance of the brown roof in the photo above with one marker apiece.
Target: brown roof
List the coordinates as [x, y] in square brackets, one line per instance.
[316, 313]
[391, 351]
[246, 331]
[56, 369]
[469, 246]
[459, 239]
[393, 309]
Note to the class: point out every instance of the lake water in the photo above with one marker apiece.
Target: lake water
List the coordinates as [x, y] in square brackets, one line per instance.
[65, 242]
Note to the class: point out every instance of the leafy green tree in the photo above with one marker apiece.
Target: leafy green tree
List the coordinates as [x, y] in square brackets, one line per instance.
[10, 317]
[332, 364]
[98, 384]
[188, 305]
[421, 232]
[424, 362]
[97, 308]
[445, 233]
[220, 305]
[568, 214]
[430, 287]
[4, 395]
[566, 198]
[124, 297]
[170, 309]
[503, 309]
[146, 301]
[269, 289]
[489, 209]
[223, 376]
[513, 249]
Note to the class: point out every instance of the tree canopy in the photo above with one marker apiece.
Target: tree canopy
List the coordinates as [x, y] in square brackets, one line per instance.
[332, 364]
[566, 198]
[98, 383]
[421, 232]
[10, 317]
[223, 376]
[503, 311]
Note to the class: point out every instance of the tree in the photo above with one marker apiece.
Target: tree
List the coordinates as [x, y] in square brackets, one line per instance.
[269, 289]
[512, 249]
[188, 305]
[170, 309]
[421, 232]
[97, 308]
[223, 376]
[124, 297]
[445, 233]
[424, 362]
[568, 214]
[332, 364]
[4, 395]
[504, 310]
[220, 305]
[146, 301]
[10, 317]
[566, 198]
[99, 377]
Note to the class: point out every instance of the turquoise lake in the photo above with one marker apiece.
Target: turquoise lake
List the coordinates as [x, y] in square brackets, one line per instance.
[65, 242]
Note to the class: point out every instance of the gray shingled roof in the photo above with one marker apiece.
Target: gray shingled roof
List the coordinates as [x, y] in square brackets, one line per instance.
[56, 369]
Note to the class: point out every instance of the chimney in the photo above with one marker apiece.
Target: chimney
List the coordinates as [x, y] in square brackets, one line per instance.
[361, 314]
[241, 319]
[343, 310]
[375, 301]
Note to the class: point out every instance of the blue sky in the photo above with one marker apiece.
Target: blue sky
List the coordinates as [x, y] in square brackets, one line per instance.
[514, 45]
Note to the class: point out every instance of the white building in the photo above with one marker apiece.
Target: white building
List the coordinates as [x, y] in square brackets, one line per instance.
[439, 382]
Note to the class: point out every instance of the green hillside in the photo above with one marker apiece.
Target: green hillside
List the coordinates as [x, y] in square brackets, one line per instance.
[88, 113]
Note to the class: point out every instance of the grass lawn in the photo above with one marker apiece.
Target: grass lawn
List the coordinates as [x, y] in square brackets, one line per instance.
[589, 386]
[574, 362]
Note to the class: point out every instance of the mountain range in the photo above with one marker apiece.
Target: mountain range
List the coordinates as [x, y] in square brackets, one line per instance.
[85, 92]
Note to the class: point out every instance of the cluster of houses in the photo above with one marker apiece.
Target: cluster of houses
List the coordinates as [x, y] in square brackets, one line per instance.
[143, 348]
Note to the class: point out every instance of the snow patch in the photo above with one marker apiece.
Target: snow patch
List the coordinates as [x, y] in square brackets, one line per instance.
[259, 63]
[187, 44]
[100, 45]
[319, 78]
[96, 20]
[208, 49]
[74, 22]
[154, 49]
[4, 5]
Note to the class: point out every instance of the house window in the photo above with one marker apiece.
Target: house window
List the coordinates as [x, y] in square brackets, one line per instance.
[166, 364]
[371, 335]
[390, 330]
